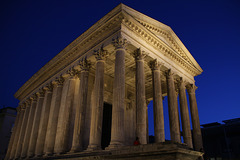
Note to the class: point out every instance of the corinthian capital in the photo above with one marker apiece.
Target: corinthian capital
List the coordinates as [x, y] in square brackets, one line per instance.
[33, 98]
[49, 87]
[100, 54]
[27, 102]
[23, 106]
[138, 54]
[40, 93]
[169, 73]
[181, 82]
[72, 72]
[58, 81]
[119, 42]
[85, 64]
[191, 88]
[155, 64]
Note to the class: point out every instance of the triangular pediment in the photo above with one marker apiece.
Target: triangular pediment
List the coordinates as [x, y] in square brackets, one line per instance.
[165, 34]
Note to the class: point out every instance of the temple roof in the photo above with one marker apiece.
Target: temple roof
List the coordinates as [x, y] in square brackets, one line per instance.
[154, 33]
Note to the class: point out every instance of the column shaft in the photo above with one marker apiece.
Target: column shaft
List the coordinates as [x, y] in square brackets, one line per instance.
[81, 109]
[157, 102]
[29, 127]
[15, 142]
[22, 131]
[197, 135]
[35, 127]
[53, 116]
[117, 130]
[10, 145]
[140, 97]
[43, 121]
[97, 107]
[186, 128]
[61, 141]
[173, 109]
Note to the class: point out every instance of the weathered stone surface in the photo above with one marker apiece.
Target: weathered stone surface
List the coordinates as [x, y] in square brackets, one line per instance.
[53, 116]
[22, 131]
[173, 108]
[157, 102]
[29, 126]
[97, 104]
[197, 135]
[43, 121]
[36, 122]
[186, 128]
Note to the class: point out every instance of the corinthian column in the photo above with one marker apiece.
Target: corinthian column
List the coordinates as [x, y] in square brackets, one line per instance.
[157, 102]
[117, 132]
[81, 109]
[97, 102]
[10, 145]
[53, 116]
[44, 120]
[29, 126]
[197, 135]
[140, 97]
[15, 142]
[172, 108]
[36, 121]
[186, 128]
[61, 141]
[22, 130]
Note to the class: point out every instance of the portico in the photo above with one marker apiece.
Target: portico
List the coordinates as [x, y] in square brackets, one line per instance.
[125, 61]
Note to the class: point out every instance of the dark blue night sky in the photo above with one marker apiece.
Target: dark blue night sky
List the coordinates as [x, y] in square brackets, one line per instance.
[33, 32]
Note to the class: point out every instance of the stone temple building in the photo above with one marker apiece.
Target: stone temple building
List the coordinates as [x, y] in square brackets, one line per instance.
[90, 101]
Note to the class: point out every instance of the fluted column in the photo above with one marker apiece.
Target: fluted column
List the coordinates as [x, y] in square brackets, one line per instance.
[36, 121]
[117, 130]
[81, 109]
[157, 102]
[44, 120]
[97, 102]
[53, 116]
[61, 141]
[10, 144]
[147, 127]
[22, 130]
[15, 142]
[172, 108]
[197, 135]
[29, 126]
[186, 128]
[140, 96]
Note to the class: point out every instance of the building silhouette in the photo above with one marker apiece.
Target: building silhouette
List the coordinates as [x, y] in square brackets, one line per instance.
[222, 141]
[7, 119]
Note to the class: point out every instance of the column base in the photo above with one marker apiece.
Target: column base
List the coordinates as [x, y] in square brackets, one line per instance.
[93, 148]
[30, 156]
[23, 157]
[114, 145]
[59, 153]
[47, 154]
[74, 150]
[38, 155]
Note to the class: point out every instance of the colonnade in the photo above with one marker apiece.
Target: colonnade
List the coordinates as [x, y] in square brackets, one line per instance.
[43, 123]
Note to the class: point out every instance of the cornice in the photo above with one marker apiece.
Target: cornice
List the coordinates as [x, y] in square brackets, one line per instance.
[73, 51]
[174, 42]
[154, 41]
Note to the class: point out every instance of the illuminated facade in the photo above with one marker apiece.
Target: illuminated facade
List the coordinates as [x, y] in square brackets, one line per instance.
[112, 70]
